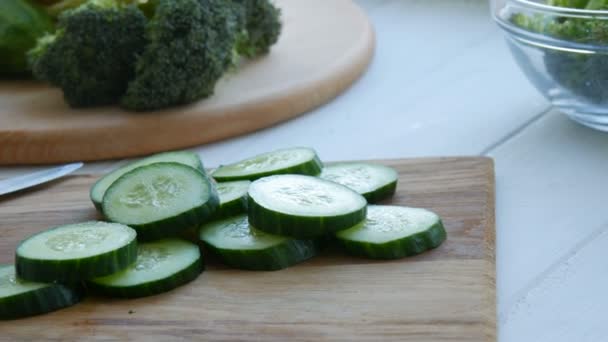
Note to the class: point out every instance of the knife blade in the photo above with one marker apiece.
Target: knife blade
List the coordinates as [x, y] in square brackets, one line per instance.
[13, 184]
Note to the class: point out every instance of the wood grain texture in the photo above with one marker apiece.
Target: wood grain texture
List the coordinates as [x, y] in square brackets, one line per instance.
[311, 64]
[447, 294]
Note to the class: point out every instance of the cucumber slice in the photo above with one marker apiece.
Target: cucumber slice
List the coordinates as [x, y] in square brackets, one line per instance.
[375, 182]
[303, 207]
[160, 200]
[161, 266]
[233, 198]
[241, 246]
[299, 160]
[392, 232]
[76, 251]
[21, 298]
[182, 157]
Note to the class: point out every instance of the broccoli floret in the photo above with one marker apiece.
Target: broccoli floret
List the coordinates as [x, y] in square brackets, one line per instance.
[189, 48]
[92, 54]
[568, 3]
[580, 4]
[262, 26]
[148, 55]
[584, 75]
[596, 5]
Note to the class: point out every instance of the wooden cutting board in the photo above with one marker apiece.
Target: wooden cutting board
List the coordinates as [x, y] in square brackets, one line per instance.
[447, 294]
[324, 48]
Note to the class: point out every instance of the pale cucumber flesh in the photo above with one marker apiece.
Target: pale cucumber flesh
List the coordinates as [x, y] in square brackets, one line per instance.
[75, 252]
[304, 196]
[393, 232]
[155, 261]
[11, 285]
[183, 157]
[303, 207]
[236, 233]
[20, 298]
[76, 241]
[232, 191]
[298, 160]
[242, 246]
[156, 192]
[375, 182]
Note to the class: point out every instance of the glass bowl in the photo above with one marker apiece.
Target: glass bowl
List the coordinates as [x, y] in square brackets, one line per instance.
[563, 52]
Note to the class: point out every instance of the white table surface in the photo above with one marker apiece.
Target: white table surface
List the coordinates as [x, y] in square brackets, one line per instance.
[443, 83]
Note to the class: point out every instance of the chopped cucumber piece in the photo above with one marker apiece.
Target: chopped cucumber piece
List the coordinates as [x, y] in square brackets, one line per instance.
[21, 298]
[160, 200]
[76, 251]
[303, 207]
[160, 266]
[233, 198]
[183, 157]
[297, 160]
[241, 246]
[391, 232]
[375, 182]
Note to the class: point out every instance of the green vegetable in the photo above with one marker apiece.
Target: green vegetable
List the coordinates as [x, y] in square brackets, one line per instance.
[183, 157]
[76, 251]
[160, 200]
[262, 26]
[298, 160]
[392, 232]
[303, 207]
[375, 182]
[160, 267]
[596, 5]
[581, 74]
[21, 24]
[189, 48]
[92, 55]
[21, 298]
[240, 245]
[568, 3]
[150, 55]
[233, 198]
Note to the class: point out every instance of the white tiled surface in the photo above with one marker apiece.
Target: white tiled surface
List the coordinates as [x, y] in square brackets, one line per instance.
[443, 83]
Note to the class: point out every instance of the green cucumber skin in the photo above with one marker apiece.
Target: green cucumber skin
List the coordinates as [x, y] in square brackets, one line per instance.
[70, 271]
[98, 205]
[176, 280]
[325, 242]
[408, 246]
[39, 301]
[232, 208]
[300, 227]
[174, 226]
[381, 194]
[311, 168]
[270, 259]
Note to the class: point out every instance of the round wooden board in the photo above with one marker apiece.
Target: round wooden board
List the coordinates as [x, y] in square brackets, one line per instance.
[324, 48]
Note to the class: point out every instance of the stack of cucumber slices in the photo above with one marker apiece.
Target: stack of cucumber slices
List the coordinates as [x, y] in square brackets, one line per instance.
[267, 213]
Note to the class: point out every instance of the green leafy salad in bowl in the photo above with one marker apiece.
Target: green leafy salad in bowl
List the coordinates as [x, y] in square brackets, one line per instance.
[562, 47]
[141, 54]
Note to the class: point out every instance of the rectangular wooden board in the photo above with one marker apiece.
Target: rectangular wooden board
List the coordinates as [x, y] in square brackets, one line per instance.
[447, 294]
